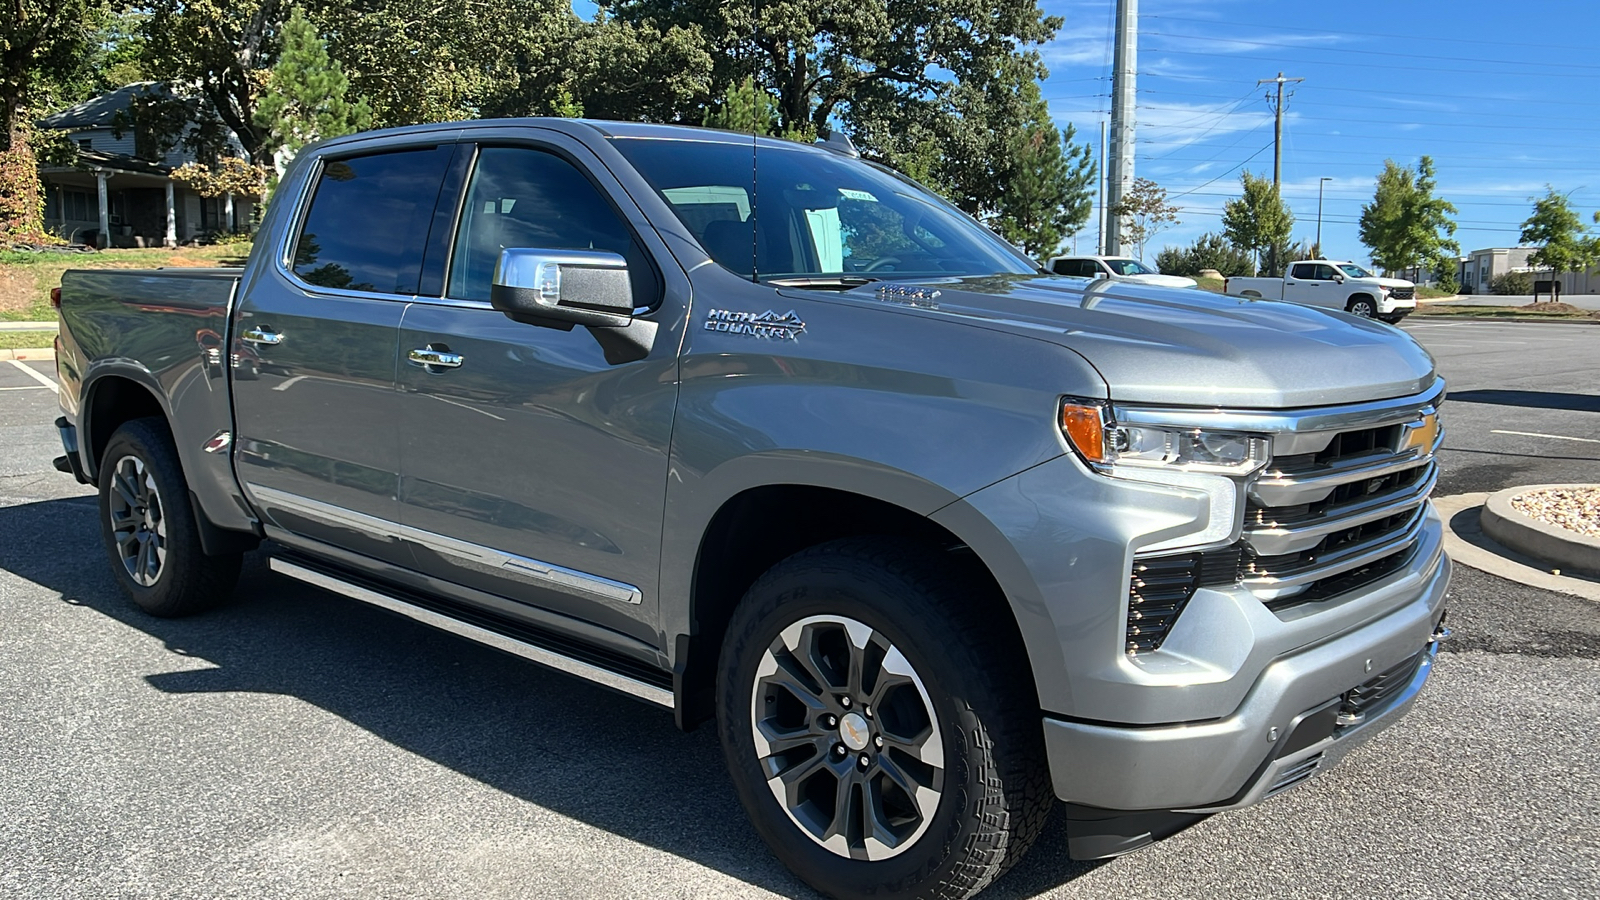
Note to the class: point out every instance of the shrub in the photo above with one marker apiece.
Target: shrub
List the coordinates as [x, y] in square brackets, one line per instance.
[1210, 251]
[1512, 283]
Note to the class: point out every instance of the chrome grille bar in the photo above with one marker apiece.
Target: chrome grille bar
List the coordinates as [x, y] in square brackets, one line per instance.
[1303, 533]
[1275, 582]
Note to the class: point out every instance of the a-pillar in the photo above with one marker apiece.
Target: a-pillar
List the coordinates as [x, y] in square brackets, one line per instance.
[105, 211]
[172, 219]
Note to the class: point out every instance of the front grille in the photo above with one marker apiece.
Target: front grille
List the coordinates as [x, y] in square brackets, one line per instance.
[1373, 694]
[1403, 293]
[1338, 514]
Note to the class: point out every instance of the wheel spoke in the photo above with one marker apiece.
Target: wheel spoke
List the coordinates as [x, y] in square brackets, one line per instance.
[783, 740]
[793, 779]
[780, 672]
[124, 490]
[923, 795]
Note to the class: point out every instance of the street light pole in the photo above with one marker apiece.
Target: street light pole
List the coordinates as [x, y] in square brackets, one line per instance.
[1320, 183]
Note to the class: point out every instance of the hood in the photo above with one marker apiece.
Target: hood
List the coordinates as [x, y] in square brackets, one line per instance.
[1160, 280]
[1394, 283]
[1187, 347]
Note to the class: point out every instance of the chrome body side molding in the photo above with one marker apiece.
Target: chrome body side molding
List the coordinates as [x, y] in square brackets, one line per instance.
[488, 559]
[545, 657]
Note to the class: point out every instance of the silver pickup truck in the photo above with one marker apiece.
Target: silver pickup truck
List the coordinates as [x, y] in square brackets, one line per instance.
[772, 437]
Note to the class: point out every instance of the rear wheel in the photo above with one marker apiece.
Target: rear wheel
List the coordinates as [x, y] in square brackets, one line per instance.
[149, 529]
[1363, 307]
[880, 725]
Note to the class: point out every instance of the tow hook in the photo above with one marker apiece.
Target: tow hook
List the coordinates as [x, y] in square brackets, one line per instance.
[1440, 633]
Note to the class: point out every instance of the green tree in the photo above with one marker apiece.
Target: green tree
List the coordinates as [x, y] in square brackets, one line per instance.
[818, 57]
[1563, 239]
[1209, 251]
[306, 97]
[1406, 226]
[41, 40]
[1258, 221]
[1050, 192]
[744, 108]
[1144, 213]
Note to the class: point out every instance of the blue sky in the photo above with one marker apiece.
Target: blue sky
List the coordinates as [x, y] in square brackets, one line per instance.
[1504, 97]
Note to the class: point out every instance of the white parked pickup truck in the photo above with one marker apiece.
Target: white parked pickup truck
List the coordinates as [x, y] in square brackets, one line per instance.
[1337, 284]
[1116, 268]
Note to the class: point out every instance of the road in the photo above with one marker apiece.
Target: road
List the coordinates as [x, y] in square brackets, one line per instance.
[1582, 301]
[297, 744]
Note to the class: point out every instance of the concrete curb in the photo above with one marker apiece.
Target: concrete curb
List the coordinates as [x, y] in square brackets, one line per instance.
[1562, 548]
[30, 326]
[1543, 320]
[1466, 543]
[29, 353]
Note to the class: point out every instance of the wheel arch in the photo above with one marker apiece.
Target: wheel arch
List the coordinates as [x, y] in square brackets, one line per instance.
[111, 398]
[1351, 301]
[759, 527]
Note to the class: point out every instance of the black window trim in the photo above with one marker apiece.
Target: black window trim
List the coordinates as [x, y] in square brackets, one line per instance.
[476, 145]
[283, 260]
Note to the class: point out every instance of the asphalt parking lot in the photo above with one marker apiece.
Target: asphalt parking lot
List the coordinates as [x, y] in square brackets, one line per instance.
[298, 744]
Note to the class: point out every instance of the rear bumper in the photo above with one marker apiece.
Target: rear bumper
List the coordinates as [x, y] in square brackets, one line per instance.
[1281, 734]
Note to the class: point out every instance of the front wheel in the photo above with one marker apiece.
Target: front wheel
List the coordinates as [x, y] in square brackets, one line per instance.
[880, 725]
[1363, 307]
[149, 528]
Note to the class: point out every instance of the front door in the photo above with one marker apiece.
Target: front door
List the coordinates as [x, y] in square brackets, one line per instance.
[316, 335]
[1312, 284]
[532, 468]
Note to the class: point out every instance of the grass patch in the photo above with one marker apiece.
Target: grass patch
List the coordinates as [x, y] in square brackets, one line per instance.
[26, 278]
[1504, 312]
[1214, 285]
[1433, 293]
[27, 340]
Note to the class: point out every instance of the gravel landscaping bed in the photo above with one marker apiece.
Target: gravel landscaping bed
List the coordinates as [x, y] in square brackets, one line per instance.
[1574, 509]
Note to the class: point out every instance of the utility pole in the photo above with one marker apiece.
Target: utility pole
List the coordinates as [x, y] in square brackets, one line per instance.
[1277, 148]
[1120, 175]
[1100, 220]
[1320, 183]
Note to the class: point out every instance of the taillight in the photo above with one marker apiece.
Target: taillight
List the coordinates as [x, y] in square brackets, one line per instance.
[55, 298]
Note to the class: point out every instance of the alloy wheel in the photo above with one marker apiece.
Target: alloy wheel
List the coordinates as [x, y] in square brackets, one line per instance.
[847, 737]
[138, 522]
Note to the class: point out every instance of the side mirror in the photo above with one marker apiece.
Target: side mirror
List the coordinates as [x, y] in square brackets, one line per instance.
[562, 288]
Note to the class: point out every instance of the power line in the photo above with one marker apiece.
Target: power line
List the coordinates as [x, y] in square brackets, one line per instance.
[1393, 68]
[1384, 53]
[1360, 34]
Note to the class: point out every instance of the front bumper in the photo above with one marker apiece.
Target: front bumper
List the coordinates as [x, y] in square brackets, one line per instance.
[1238, 760]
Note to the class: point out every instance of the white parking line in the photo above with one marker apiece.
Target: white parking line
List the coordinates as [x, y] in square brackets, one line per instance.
[26, 387]
[35, 375]
[1553, 437]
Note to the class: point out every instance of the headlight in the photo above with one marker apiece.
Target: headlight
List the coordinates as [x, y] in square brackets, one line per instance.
[1107, 445]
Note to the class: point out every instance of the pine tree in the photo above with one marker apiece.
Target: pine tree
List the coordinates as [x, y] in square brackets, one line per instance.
[1405, 225]
[1258, 221]
[306, 100]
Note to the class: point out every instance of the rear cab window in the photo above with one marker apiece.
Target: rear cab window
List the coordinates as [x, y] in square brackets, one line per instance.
[367, 225]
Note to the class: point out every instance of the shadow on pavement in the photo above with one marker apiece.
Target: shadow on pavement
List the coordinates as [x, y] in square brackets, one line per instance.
[546, 738]
[1529, 399]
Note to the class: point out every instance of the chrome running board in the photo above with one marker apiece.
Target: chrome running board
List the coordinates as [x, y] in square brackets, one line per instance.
[529, 651]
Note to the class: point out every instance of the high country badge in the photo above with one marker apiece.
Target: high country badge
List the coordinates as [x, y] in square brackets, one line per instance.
[768, 325]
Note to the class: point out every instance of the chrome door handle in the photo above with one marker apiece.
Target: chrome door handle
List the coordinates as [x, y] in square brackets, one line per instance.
[260, 335]
[434, 355]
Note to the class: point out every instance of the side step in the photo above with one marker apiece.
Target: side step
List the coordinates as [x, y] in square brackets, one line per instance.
[523, 648]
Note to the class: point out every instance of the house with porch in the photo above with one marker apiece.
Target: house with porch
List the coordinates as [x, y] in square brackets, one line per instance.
[119, 190]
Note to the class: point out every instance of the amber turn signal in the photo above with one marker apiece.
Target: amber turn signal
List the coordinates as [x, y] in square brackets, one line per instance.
[1083, 424]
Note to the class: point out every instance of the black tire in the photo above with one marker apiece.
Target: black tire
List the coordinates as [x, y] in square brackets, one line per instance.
[149, 529]
[1363, 307]
[994, 792]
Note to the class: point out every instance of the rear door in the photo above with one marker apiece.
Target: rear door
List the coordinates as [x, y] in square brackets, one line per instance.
[533, 469]
[317, 440]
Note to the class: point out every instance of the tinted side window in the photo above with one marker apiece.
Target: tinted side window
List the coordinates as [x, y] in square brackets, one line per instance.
[1303, 272]
[1324, 273]
[368, 223]
[530, 199]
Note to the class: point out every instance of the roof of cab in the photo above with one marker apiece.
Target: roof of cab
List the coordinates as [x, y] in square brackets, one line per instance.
[605, 128]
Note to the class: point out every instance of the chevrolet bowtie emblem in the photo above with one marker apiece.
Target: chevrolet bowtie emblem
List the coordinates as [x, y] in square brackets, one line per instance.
[1421, 436]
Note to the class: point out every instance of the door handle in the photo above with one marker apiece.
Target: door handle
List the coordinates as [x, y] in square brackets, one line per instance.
[436, 356]
[261, 335]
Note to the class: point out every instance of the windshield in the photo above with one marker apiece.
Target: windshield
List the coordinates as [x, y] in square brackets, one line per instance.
[813, 215]
[1129, 267]
[1355, 271]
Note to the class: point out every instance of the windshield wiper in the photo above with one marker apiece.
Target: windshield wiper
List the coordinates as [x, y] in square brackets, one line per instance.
[821, 282]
